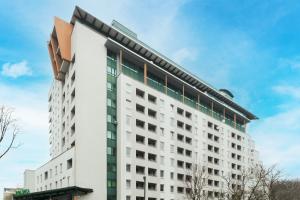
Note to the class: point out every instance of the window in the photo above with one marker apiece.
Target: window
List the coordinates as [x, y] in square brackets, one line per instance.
[63, 142]
[161, 173]
[140, 139]
[171, 188]
[180, 137]
[139, 185]
[128, 151]
[151, 98]
[151, 186]
[151, 127]
[180, 150]
[179, 124]
[216, 127]
[128, 167]
[180, 111]
[73, 112]
[161, 187]
[210, 147]
[188, 153]
[151, 157]
[188, 178]
[188, 114]
[140, 123]
[216, 161]
[111, 135]
[151, 142]
[140, 108]
[210, 125]
[171, 175]
[180, 164]
[216, 172]
[151, 172]
[188, 165]
[188, 140]
[180, 177]
[73, 129]
[151, 113]
[140, 93]
[139, 170]
[46, 175]
[69, 163]
[111, 151]
[162, 132]
[188, 127]
[216, 138]
[140, 154]
[233, 135]
[216, 149]
[128, 184]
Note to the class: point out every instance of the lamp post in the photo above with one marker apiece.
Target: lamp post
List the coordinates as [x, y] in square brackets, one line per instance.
[144, 187]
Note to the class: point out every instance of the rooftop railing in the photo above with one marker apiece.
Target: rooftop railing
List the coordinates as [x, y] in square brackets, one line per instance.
[178, 96]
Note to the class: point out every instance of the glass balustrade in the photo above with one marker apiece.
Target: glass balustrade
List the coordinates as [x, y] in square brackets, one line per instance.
[139, 76]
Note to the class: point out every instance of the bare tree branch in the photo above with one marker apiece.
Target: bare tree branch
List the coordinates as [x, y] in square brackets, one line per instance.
[8, 130]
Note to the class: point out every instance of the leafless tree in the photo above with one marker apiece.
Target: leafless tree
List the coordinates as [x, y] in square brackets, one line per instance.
[254, 184]
[257, 183]
[8, 130]
[195, 183]
[287, 190]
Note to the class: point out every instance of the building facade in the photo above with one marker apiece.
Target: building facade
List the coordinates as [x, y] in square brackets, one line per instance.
[127, 122]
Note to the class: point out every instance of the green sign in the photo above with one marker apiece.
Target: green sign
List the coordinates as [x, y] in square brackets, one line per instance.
[22, 192]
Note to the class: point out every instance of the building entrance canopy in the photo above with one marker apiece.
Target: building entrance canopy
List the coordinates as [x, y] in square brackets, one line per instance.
[68, 193]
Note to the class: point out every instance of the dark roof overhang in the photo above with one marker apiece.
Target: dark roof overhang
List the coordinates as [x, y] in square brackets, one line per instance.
[67, 191]
[152, 55]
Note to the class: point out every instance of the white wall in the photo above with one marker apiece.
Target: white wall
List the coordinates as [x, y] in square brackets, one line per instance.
[59, 175]
[29, 178]
[90, 102]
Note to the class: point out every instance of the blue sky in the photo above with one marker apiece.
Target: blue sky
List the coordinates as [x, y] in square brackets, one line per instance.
[249, 47]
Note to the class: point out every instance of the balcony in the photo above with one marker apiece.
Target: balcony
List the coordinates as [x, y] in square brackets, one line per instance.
[139, 76]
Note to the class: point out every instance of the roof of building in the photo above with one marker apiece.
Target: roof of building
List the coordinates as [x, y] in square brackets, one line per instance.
[54, 193]
[131, 42]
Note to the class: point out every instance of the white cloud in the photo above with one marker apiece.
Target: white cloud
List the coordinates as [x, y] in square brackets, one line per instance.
[184, 54]
[30, 108]
[16, 70]
[277, 138]
[293, 63]
[288, 90]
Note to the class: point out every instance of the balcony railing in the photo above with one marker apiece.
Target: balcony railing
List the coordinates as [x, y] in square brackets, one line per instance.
[178, 96]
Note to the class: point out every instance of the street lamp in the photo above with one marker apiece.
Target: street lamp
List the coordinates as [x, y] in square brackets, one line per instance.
[144, 187]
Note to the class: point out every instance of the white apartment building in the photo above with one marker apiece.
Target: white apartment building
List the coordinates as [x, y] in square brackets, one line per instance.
[127, 122]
